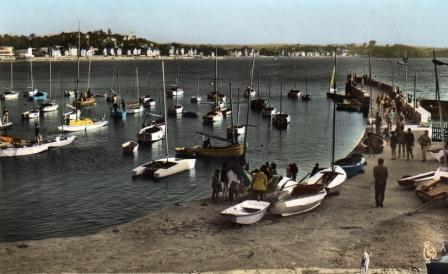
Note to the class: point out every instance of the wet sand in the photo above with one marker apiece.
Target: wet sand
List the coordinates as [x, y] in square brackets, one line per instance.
[192, 237]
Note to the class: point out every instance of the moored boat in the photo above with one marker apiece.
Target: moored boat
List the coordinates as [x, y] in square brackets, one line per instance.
[150, 134]
[9, 95]
[82, 124]
[40, 95]
[232, 150]
[129, 147]
[247, 212]
[163, 167]
[281, 120]
[31, 114]
[294, 94]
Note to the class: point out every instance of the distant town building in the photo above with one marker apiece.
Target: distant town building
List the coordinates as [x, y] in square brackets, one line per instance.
[6, 51]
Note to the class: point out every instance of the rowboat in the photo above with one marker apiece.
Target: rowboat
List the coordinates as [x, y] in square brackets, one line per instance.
[212, 116]
[436, 189]
[86, 101]
[352, 164]
[163, 167]
[40, 95]
[268, 111]
[332, 178]
[82, 124]
[249, 92]
[129, 147]
[232, 150]
[247, 212]
[31, 114]
[289, 203]
[411, 182]
[438, 153]
[48, 106]
[10, 95]
[175, 90]
[294, 94]
[150, 134]
[134, 108]
[195, 99]
[59, 141]
[375, 141]
[175, 109]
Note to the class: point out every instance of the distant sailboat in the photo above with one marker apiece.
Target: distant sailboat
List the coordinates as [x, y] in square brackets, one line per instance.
[11, 93]
[135, 107]
[332, 87]
[281, 119]
[49, 106]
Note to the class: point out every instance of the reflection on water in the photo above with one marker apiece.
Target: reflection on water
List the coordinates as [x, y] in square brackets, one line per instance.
[87, 186]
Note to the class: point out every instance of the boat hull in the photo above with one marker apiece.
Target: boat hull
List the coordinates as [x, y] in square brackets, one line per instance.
[178, 165]
[219, 152]
[150, 134]
[73, 128]
[247, 212]
[22, 151]
[129, 147]
[297, 205]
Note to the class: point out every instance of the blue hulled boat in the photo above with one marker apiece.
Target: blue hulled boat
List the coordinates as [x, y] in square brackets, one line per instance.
[40, 95]
[352, 164]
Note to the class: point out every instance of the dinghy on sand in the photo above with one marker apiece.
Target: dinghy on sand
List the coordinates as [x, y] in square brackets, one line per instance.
[247, 212]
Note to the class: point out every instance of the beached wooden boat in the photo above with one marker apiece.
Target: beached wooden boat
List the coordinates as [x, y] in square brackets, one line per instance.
[436, 189]
[352, 164]
[150, 134]
[290, 203]
[438, 153]
[129, 147]
[375, 140]
[332, 178]
[411, 182]
[247, 212]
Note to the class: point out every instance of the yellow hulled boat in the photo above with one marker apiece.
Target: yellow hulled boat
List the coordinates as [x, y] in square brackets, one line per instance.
[85, 102]
[234, 150]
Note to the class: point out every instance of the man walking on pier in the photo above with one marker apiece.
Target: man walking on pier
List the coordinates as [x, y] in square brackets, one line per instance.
[380, 175]
[409, 140]
[425, 143]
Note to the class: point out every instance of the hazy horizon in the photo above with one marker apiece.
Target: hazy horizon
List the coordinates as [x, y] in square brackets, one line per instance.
[232, 22]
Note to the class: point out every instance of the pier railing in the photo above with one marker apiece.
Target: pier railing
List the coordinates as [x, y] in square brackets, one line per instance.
[437, 132]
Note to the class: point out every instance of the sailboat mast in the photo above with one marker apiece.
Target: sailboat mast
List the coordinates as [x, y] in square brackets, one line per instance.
[248, 106]
[281, 95]
[119, 96]
[440, 106]
[177, 75]
[149, 83]
[215, 88]
[164, 109]
[269, 93]
[258, 85]
[88, 75]
[11, 76]
[77, 75]
[136, 83]
[238, 109]
[232, 126]
[197, 87]
[334, 117]
[50, 79]
[32, 78]
[306, 84]
[370, 80]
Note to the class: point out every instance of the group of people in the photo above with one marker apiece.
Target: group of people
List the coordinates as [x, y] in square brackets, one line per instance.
[227, 182]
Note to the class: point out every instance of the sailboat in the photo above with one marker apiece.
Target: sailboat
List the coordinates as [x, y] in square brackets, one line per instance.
[196, 99]
[306, 97]
[135, 107]
[31, 91]
[232, 149]
[258, 104]
[175, 90]
[269, 111]
[281, 119]
[11, 93]
[117, 110]
[332, 93]
[294, 93]
[80, 123]
[237, 129]
[86, 99]
[250, 91]
[49, 106]
[147, 100]
[177, 108]
[152, 130]
[215, 115]
[169, 165]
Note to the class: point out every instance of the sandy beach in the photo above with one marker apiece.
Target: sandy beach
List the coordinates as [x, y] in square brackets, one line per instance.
[191, 236]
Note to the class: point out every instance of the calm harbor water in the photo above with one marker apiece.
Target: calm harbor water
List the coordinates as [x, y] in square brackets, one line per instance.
[87, 186]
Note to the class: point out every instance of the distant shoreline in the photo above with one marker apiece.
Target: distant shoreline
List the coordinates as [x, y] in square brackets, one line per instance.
[146, 58]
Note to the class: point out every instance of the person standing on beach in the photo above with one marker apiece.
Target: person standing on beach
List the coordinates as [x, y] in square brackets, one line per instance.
[378, 123]
[294, 171]
[216, 186]
[409, 140]
[380, 174]
[425, 143]
[393, 145]
[259, 184]
[224, 180]
[401, 142]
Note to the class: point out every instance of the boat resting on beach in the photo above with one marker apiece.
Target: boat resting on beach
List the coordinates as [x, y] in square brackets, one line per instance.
[296, 202]
[436, 189]
[163, 167]
[247, 212]
[352, 164]
[411, 182]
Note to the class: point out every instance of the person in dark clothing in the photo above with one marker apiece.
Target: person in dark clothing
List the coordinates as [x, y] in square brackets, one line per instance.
[393, 145]
[224, 180]
[273, 169]
[294, 171]
[378, 123]
[315, 169]
[37, 133]
[206, 143]
[380, 174]
[409, 141]
[216, 186]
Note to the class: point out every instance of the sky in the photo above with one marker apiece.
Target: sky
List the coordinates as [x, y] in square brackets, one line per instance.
[412, 22]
